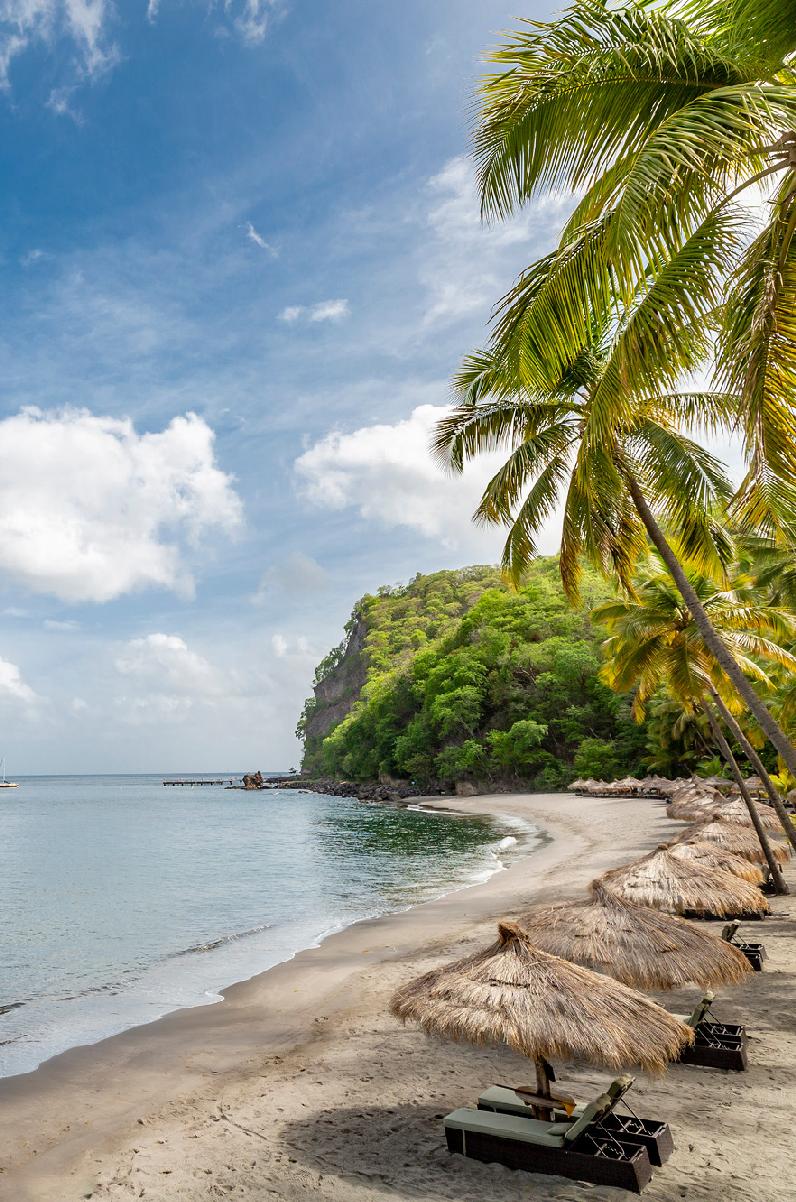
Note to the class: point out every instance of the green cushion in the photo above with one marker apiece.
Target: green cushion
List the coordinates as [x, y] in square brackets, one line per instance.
[592, 1113]
[507, 1126]
[699, 1013]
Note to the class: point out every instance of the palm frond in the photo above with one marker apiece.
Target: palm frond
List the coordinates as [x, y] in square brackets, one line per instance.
[757, 359]
[581, 91]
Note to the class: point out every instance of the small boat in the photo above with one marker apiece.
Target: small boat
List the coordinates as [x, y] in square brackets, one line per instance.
[6, 784]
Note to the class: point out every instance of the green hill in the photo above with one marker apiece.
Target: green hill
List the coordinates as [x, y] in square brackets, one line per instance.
[454, 676]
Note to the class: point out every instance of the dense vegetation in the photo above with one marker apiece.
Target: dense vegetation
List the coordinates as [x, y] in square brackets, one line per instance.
[467, 679]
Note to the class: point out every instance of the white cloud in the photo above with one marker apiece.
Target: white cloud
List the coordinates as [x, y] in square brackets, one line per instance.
[167, 680]
[153, 708]
[24, 23]
[173, 679]
[387, 474]
[60, 101]
[58, 624]
[250, 18]
[295, 645]
[32, 256]
[12, 687]
[291, 313]
[295, 576]
[90, 509]
[329, 310]
[256, 237]
[152, 9]
[168, 661]
[465, 262]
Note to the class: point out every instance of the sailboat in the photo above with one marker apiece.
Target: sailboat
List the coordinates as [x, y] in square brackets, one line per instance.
[6, 784]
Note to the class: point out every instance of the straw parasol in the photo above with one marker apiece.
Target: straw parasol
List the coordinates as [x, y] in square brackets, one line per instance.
[543, 1007]
[637, 945]
[713, 855]
[691, 809]
[736, 811]
[735, 837]
[679, 886]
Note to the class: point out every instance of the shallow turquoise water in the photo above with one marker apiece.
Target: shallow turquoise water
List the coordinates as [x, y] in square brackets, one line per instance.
[122, 899]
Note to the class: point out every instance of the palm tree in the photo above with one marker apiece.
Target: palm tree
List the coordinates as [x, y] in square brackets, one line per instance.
[662, 117]
[654, 644]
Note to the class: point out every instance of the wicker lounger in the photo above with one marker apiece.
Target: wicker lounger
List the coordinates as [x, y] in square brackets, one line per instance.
[754, 952]
[651, 1134]
[580, 1150]
[716, 1045]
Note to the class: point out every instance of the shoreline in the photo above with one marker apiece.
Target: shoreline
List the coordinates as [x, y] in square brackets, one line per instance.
[526, 837]
[68, 1125]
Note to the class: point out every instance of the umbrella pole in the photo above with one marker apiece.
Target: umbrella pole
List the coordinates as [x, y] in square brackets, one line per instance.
[543, 1090]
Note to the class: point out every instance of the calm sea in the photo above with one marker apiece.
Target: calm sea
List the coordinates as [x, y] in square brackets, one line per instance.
[122, 900]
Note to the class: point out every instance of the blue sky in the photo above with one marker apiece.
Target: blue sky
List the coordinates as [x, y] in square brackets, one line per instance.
[262, 215]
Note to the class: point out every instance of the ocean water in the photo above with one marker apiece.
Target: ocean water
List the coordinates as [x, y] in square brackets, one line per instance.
[122, 900]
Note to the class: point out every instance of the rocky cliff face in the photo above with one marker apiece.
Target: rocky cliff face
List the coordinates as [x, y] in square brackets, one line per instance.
[340, 688]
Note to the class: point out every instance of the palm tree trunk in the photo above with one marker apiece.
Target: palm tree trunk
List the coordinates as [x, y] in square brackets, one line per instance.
[754, 759]
[773, 867]
[770, 728]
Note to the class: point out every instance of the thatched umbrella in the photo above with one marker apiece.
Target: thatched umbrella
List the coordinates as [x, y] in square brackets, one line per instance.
[693, 808]
[636, 945]
[713, 856]
[666, 882]
[542, 1006]
[735, 837]
[736, 811]
[629, 783]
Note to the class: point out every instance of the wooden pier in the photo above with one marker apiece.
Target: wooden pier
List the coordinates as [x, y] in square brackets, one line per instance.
[201, 782]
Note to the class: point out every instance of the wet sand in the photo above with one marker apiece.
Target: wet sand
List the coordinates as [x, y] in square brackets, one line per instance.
[300, 1083]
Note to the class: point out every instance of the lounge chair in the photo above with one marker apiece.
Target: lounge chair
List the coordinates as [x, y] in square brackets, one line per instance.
[716, 1045]
[754, 952]
[651, 1134]
[581, 1149]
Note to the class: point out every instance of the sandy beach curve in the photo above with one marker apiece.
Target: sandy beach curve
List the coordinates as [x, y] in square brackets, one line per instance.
[299, 1083]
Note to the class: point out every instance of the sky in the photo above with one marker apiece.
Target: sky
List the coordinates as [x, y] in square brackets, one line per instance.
[241, 258]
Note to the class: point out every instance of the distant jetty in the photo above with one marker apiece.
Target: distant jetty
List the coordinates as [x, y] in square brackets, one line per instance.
[203, 781]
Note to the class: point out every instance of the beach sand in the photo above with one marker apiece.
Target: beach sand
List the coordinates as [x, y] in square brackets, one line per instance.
[300, 1084]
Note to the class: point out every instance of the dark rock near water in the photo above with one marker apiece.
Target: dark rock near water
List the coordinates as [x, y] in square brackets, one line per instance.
[396, 792]
[253, 780]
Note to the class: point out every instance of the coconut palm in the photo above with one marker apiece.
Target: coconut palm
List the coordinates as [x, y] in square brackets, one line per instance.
[608, 464]
[662, 116]
[654, 643]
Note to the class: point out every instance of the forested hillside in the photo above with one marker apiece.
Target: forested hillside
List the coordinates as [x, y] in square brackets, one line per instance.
[457, 677]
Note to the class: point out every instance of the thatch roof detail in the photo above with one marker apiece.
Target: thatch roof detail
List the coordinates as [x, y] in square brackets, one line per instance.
[736, 811]
[639, 946]
[735, 837]
[713, 855]
[692, 809]
[541, 1006]
[666, 882]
